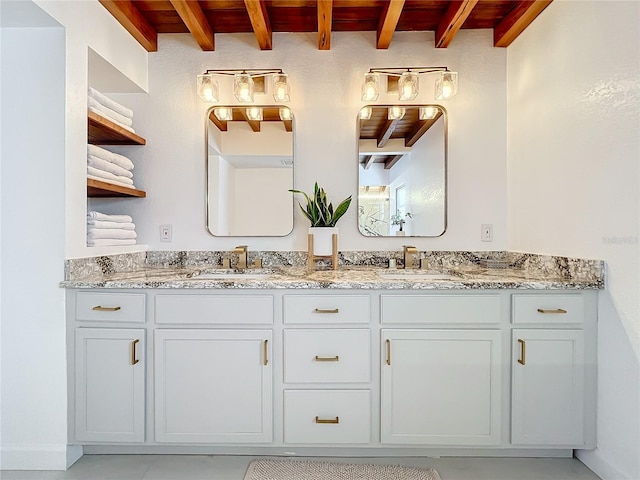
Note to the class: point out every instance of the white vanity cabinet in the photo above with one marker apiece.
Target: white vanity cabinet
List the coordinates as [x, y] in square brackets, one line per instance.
[550, 363]
[213, 386]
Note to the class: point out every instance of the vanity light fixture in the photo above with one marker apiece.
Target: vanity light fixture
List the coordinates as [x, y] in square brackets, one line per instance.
[396, 113]
[223, 114]
[406, 79]
[254, 113]
[246, 83]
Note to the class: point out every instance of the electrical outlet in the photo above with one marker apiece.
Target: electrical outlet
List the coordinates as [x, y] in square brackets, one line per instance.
[486, 232]
[165, 233]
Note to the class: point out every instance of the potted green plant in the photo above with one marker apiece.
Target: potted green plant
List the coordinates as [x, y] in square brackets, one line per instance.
[397, 219]
[323, 217]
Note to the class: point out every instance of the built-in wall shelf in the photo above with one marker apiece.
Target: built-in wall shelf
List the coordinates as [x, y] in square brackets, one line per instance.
[96, 188]
[105, 132]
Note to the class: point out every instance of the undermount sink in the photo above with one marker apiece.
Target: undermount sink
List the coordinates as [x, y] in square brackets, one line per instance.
[416, 275]
[231, 275]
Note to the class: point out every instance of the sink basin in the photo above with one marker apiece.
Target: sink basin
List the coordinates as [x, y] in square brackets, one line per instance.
[231, 275]
[413, 275]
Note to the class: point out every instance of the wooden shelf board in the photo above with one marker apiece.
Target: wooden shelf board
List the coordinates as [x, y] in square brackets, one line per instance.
[104, 132]
[96, 188]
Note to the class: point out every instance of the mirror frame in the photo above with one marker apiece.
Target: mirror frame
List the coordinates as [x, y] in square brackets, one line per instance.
[207, 168]
[445, 205]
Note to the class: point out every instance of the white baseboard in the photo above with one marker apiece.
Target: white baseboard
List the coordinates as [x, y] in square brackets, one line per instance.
[598, 465]
[38, 457]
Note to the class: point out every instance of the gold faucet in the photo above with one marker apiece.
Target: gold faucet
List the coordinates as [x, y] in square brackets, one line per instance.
[409, 253]
[241, 251]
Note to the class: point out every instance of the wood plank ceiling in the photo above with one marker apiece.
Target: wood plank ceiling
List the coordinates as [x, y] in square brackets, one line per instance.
[145, 19]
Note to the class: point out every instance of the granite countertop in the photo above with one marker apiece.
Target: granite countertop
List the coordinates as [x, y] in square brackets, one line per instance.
[346, 277]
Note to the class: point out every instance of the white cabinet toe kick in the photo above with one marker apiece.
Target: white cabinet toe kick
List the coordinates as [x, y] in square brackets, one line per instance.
[287, 372]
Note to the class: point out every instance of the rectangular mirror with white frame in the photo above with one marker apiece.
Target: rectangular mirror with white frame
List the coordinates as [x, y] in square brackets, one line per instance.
[402, 170]
[249, 171]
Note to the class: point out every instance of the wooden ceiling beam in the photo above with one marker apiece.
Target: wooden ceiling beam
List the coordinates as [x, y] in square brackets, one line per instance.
[368, 161]
[386, 132]
[388, 23]
[325, 14]
[421, 128]
[517, 21]
[392, 161]
[257, 11]
[254, 124]
[221, 124]
[132, 20]
[193, 17]
[456, 15]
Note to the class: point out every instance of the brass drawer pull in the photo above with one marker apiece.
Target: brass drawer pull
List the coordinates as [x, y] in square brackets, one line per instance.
[333, 421]
[388, 352]
[266, 352]
[100, 308]
[327, 359]
[327, 310]
[556, 310]
[523, 351]
[134, 360]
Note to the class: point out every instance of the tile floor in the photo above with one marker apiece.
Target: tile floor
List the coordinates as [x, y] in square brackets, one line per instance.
[213, 467]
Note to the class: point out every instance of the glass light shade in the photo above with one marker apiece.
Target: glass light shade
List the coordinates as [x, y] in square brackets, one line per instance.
[285, 114]
[428, 113]
[446, 85]
[395, 113]
[370, 87]
[365, 113]
[281, 87]
[254, 113]
[207, 88]
[243, 87]
[408, 86]
[223, 114]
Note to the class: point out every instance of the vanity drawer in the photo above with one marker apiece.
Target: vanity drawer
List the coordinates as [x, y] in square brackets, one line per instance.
[327, 356]
[110, 307]
[327, 416]
[437, 308]
[214, 309]
[548, 308]
[324, 309]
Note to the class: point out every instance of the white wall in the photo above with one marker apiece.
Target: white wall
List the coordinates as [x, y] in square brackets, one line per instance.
[325, 100]
[33, 389]
[574, 145]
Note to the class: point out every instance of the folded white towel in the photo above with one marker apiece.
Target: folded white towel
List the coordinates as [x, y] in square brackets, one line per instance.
[108, 102]
[108, 166]
[103, 114]
[112, 182]
[110, 233]
[105, 224]
[92, 102]
[96, 172]
[110, 156]
[93, 215]
[102, 242]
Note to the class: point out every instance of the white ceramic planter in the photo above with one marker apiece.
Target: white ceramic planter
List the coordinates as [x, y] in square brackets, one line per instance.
[322, 240]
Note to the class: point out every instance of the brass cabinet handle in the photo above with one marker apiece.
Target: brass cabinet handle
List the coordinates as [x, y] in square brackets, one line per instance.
[327, 310]
[327, 359]
[523, 351]
[134, 360]
[266, 352]
[555, 310]
[388, 352]
[100, 308]
[334, 421]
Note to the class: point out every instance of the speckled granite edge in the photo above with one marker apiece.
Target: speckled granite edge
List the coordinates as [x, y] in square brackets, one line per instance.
[571, 269]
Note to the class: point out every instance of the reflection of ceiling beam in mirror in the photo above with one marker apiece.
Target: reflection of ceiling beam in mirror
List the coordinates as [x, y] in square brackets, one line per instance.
[387, 130]
[254, 124]
[288, 125]
[368, 161]
[421, 128]
[257, 11]
[388, 22]
[452, 21]
[221, 124]
[392, 161]
[191, 14]
[325, 12]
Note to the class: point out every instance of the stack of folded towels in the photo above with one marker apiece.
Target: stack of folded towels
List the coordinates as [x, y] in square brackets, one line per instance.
[110, 109]
[109, 167]
[103, 229]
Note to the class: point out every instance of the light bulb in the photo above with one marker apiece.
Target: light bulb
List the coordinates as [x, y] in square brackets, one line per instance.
[370, 87]
[223, 114]
[446, 85]
[396, 113]
[254, 113]
[408, 86]
[285, 114]
[207, 88]
[428, 113]
[365, 113]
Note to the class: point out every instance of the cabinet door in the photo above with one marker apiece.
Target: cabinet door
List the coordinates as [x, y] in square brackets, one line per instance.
[548, 387]
[441, 387]
[213, 386]
[110, 377]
